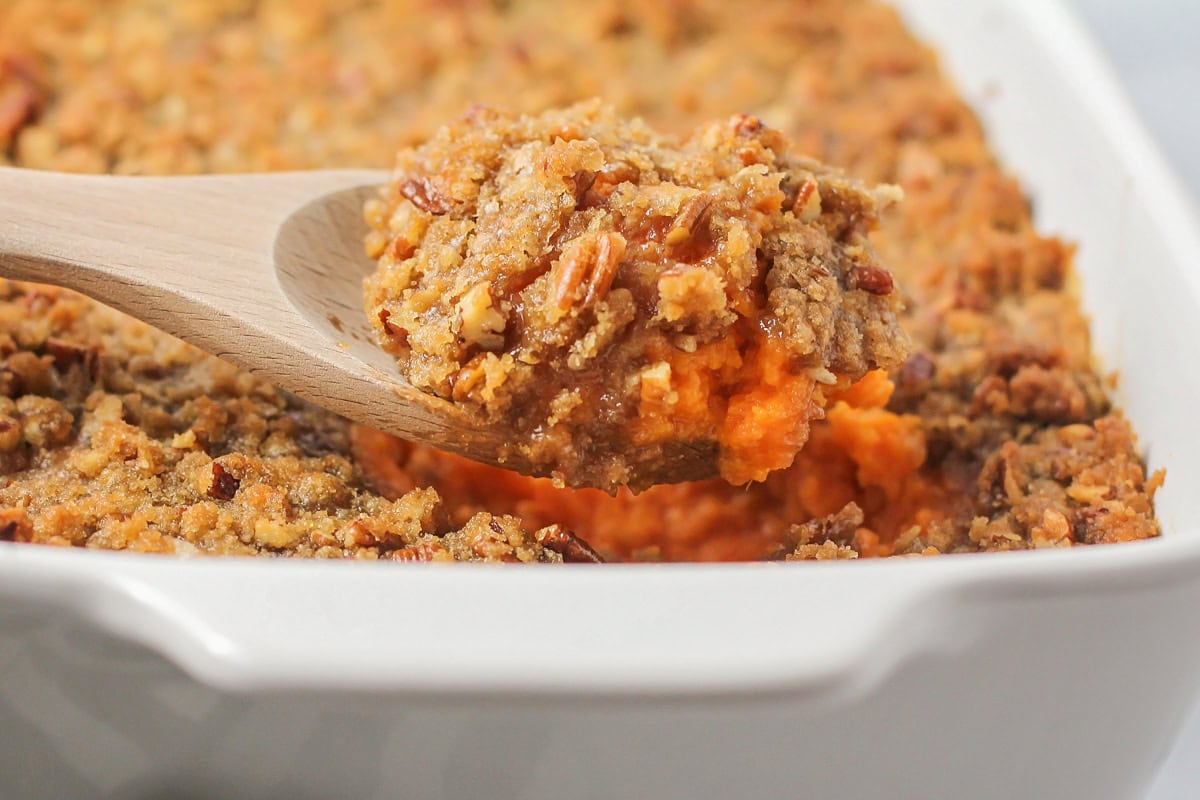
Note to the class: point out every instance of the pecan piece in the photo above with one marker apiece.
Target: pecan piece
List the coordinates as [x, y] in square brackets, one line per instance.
[590, 262]
[224, 486]
[67, 354]
[15, 525]
[480, 322]
[603, 183]
[581, 183]
[359, 535]
[871, 279]
[807, 206]
[391, 329]
[425, 196]
[1088, 521]
[572, 549]
[424, 551]
[689, 219]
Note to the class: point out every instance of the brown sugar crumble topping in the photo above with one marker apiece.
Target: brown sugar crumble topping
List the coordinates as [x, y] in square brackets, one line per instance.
[996, 432]
[616, 297]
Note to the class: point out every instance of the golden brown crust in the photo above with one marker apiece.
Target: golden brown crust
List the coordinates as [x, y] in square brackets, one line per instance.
[139, 442]
[556, 274]
[1001, 370]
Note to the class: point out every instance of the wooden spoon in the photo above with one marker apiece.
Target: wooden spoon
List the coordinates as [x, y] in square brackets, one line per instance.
[262, 270]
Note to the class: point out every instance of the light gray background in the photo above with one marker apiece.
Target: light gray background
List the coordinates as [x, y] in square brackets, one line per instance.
[1155, 47]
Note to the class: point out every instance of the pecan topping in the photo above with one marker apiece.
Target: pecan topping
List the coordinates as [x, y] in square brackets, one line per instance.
[401, 248]
[689, 219]
[1088, 519]
[807, 206]
[67, 355]
[425, 551]
[590, 262]
[425, 196]
[746, 124]
[15, 525]
[572, 549]
[581, 184]
[390, 329]
[480, 322]
[871, 279]
[224, 486]
[603, 184]
[360, 535]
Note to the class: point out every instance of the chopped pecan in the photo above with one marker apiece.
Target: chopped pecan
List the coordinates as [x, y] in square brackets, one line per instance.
[590, 262]
[224, 486]
[15, 525]
[1088, 520]
[401, 248]
[572, 549]
[604, 182]
[480, 322]
[582, 183]
[807, 206]
[203, 439]
[871, 279]
[424, 551]
[400, 334]
[67, 354]
[359, 535]
[425, 196]
[689, 219]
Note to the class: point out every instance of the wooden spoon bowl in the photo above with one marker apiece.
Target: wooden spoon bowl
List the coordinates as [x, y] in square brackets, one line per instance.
[262, 270]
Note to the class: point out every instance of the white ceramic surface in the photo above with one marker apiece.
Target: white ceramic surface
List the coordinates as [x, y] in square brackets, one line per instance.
[1062, 674]
[1152, 47]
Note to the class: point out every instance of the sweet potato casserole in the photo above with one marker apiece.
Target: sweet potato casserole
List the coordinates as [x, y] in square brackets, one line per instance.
[619, 299]
[984, 426]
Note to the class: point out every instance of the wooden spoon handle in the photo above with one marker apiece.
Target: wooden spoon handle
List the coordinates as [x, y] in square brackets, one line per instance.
[202, 238]
[196, 257]
[190, 255]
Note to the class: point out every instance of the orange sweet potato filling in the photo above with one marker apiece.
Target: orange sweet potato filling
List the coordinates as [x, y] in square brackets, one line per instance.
[759, 408]
[860, 452]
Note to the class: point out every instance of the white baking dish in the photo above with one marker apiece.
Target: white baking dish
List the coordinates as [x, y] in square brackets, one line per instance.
[1050, 674]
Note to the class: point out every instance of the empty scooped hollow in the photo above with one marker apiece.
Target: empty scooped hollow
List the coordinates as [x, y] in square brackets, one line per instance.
[320, 265]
